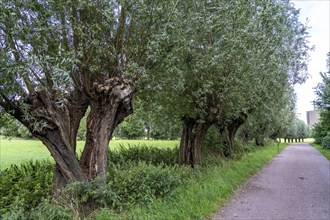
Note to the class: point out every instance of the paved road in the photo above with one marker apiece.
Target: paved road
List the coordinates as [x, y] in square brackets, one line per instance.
[294, 185]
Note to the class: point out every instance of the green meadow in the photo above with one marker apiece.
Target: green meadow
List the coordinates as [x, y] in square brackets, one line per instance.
[16, 151]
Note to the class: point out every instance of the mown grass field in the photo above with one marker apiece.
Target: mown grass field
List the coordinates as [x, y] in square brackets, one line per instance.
[16, 151]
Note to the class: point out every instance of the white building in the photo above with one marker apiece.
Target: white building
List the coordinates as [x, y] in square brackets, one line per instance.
[313, 117]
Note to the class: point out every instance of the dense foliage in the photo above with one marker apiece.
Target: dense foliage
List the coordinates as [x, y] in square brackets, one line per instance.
[321, 131]
[145, 153]
[298, 130]
[137, 175]
[60, 58]
[28, 184]
[131, 186]
[233, 61]
[72, 69]
[10, 127]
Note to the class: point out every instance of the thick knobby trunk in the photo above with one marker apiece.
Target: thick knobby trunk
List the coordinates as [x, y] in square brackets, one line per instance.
[191, 140]
[232, 128]
[67, 168]
[109, 107]
[260, 140]
[59, 135]
[229, 144]
[101, 123]
[110, 103]
[61, 141]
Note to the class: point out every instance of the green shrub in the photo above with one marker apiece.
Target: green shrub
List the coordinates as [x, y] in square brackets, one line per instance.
[17, 211]
[44, 211]
[318, 133]
[47, 211]
[213, 142]
[127, 185]
[326, 142]
[145, 153]
[105, 214]
[143, 183]
[137, 176]
[27, 183]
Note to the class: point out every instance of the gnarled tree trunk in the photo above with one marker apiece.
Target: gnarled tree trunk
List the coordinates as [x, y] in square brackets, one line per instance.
[230, 130]
[260, 140]
[191, 140]
[67, 167]
[110, 104]
[58, 132]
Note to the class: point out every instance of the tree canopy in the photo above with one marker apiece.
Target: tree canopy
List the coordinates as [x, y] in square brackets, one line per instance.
[201, 62]
[59, 57]
[231, 59]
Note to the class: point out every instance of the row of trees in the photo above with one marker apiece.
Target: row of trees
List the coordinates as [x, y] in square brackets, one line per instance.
[298, 131]
[198, 63]
[136, 127]
[321, 131]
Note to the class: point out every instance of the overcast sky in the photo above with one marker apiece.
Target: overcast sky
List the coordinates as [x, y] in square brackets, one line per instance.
[318, 14]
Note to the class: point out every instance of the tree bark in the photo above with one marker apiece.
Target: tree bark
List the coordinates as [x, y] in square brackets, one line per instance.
[259, 140]
[67, 167]
[59, 132]
[148, 130]
[111, 103]
[232, 128]
[191, 140]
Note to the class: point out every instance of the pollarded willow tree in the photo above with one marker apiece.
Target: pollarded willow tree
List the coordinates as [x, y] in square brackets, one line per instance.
[58, 58]
[282, 63]
[283, 58]
[232, 57]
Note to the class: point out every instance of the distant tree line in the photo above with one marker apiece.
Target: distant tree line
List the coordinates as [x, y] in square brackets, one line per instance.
[297, 132]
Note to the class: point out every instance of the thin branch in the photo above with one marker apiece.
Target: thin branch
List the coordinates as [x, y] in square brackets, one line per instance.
[16, 54]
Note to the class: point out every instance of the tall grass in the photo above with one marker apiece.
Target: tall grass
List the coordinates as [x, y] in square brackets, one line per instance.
[325, 152]
[164, 190]
[211, 187]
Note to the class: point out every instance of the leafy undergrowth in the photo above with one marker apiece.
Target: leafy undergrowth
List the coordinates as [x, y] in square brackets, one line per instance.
[137, 175]
[25, 185]
[324, 151]
[209, 188]
[142, 183]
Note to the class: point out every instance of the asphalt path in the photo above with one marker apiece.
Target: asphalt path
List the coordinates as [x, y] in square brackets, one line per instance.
[294, 185]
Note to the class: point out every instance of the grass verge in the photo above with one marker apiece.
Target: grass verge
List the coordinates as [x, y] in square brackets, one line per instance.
[323, 151]
[209, 188]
